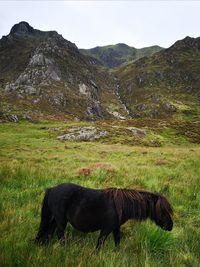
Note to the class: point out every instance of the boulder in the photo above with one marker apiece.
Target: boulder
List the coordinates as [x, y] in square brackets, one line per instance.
[137, 132]
[169, 107]
[82, 134]
[12, 118]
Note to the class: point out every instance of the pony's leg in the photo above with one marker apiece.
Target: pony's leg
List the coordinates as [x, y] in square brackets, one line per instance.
[102, 237]
[116, 235]
[61, 223]
[46, 230]
[61, 233]
[52, 228]
[46, 217]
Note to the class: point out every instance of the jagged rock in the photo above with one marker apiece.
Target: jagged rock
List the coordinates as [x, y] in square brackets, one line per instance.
[10, 87]
[155, 98]
[94, 84]
[94, 110]
[141, 80]
[28, 117]
[21, 28]
[30, 90]
[135, 115]
[117, 115]
[82, 134]
[84, 90]
[58, 100]
[169, 107]
[141, 107]
[35, 101]
[12, 118]
[38, 60]
[154, 113]
[40, 71]
[137, 132]
[19, 96]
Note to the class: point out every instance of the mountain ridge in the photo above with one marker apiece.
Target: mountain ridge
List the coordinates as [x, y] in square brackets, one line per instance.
[113, 56]
[42, 73]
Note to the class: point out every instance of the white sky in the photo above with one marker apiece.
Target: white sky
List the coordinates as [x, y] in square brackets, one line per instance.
[92, 23]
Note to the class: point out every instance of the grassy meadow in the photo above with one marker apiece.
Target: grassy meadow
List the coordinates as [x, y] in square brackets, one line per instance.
[166, 160]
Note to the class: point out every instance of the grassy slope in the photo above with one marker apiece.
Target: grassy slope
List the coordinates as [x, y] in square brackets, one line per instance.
[32, 159]
[170, 76]
[118, 54]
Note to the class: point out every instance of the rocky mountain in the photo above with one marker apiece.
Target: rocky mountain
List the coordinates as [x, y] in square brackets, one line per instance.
[165, 83]
[41, 72]
[112, 56]
[44, 75]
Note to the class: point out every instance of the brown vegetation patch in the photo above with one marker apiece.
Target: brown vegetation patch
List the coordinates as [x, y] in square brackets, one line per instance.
[86, 171]
[160, 162]
[144, 152]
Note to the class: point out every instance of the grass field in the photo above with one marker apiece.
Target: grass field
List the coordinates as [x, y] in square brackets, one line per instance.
[32, 159]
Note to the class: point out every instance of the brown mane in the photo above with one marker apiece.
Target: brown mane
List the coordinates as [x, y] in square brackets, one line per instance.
[138, 204]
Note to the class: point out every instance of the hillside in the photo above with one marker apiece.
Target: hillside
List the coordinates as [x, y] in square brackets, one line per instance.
[112, 56]
[165, 83]
[45, 76]
[41, 72]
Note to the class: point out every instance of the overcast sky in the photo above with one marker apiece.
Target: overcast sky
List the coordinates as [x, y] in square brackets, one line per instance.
[92, 23]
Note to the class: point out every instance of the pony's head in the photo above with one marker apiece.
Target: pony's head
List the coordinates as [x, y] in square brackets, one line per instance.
[163, 213]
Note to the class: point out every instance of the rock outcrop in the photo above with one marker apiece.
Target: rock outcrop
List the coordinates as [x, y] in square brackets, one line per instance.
[48, 73]
[82, 134]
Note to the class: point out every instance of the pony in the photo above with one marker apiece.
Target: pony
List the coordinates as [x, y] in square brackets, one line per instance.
[90, 210]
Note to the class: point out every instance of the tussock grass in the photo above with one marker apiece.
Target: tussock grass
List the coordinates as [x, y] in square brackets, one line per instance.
[32, 160]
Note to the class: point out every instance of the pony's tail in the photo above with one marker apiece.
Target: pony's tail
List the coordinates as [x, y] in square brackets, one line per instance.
[46, 217]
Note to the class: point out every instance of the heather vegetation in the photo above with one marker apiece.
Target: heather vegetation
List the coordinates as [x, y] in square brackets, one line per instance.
[165, 159]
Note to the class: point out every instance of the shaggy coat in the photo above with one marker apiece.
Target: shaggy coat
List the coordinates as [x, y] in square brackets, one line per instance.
[89, 210]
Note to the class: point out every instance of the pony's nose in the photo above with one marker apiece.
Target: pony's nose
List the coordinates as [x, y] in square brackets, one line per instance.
[168, 227]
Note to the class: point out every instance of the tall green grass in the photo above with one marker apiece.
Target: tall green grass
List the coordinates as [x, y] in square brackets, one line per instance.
[32, 160]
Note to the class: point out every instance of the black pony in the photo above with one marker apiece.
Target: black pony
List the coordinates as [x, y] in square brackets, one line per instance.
[89, 210]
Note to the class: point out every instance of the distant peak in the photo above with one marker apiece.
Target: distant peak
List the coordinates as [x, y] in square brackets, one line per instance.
[22, 27]
[122, 45]
[188, 38]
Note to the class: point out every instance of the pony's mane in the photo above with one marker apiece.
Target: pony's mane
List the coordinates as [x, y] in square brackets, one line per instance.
[138, 203]
[127, 201]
